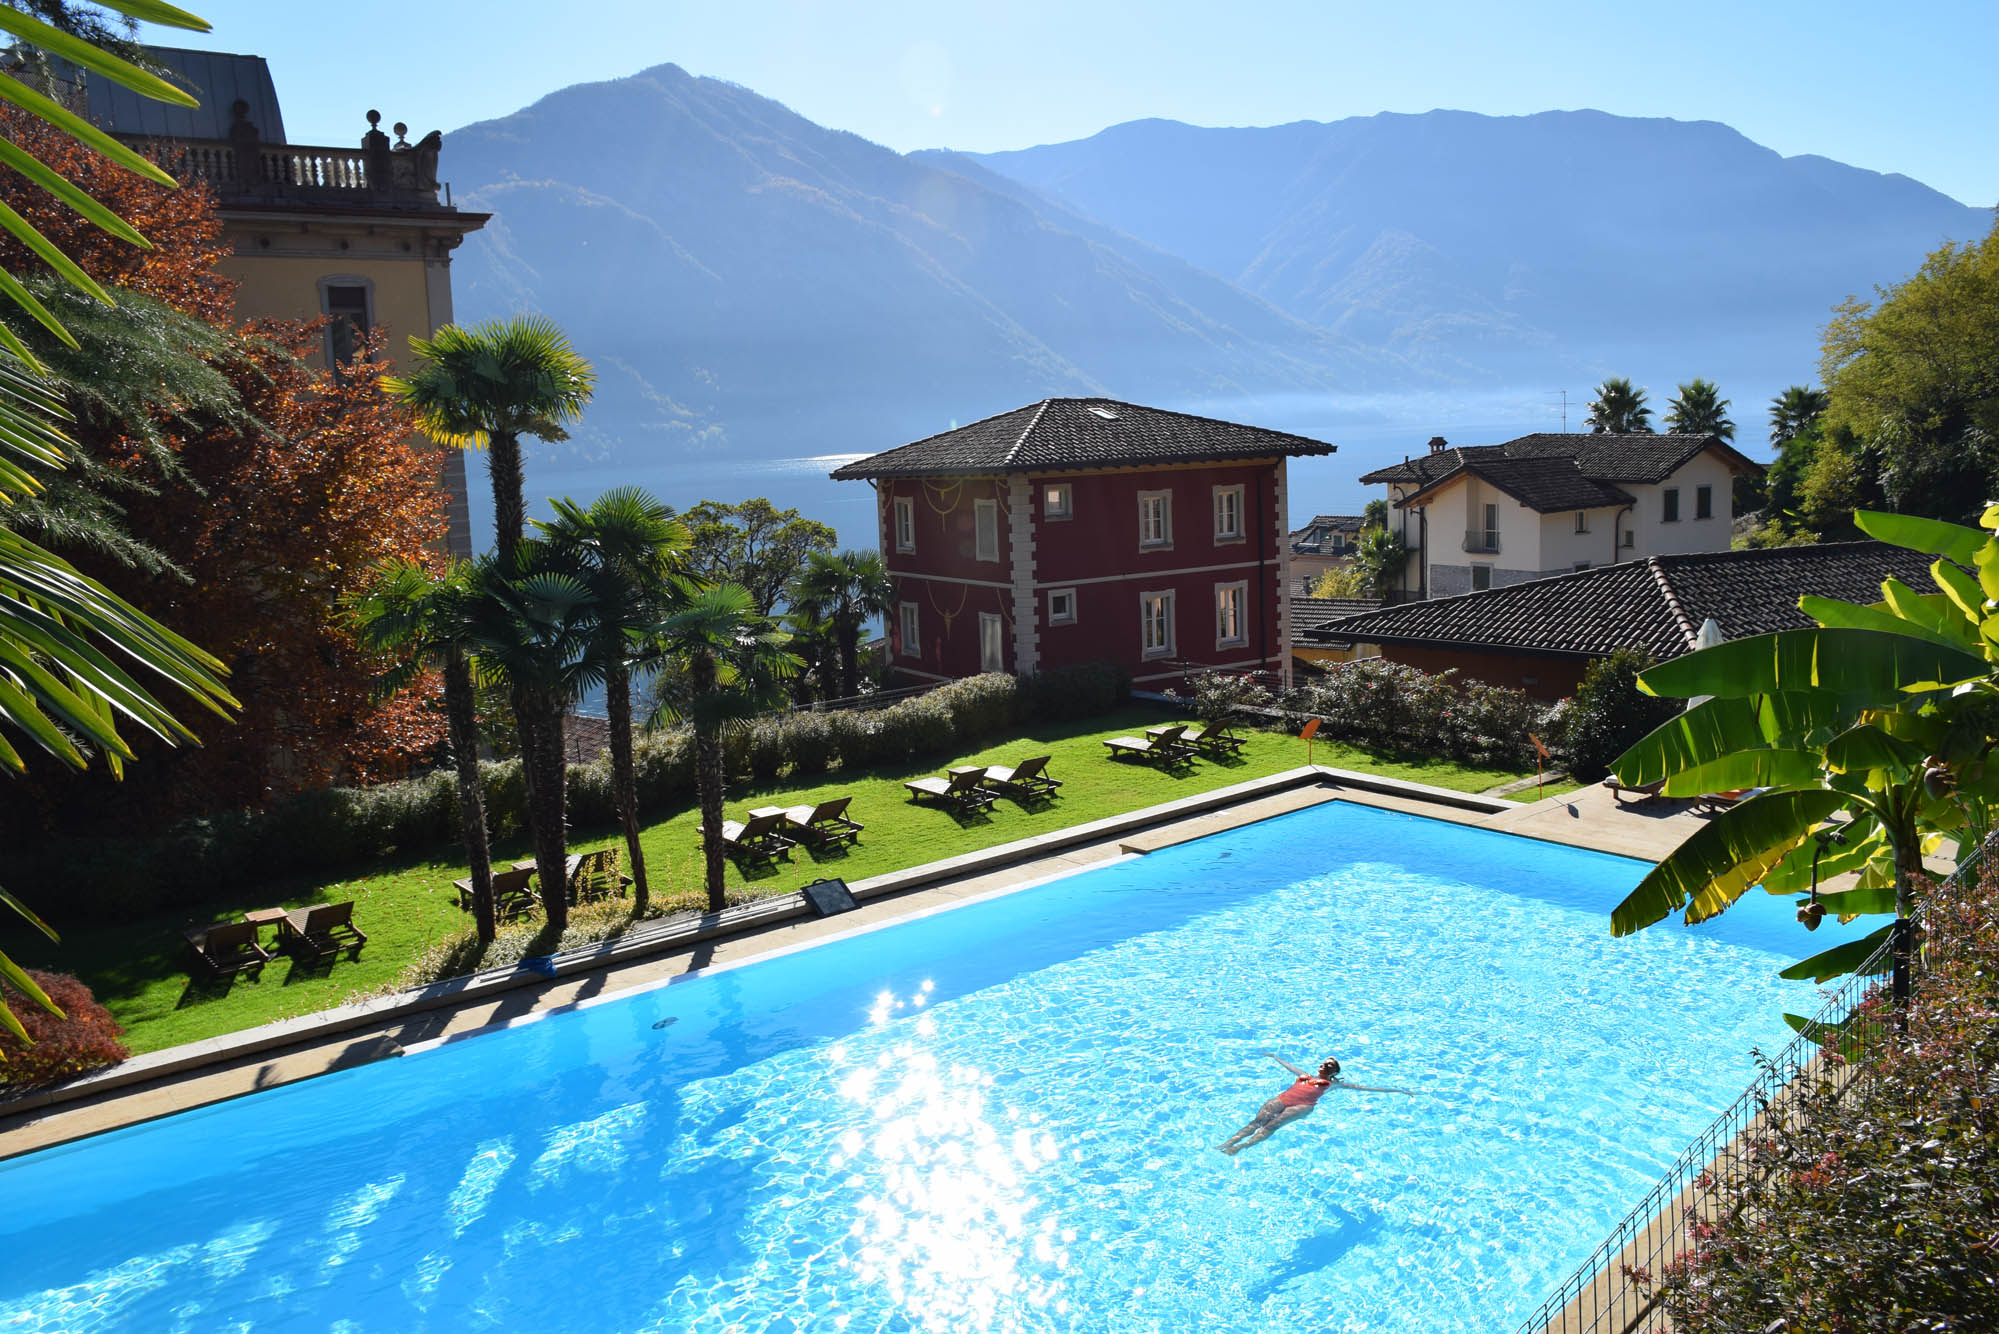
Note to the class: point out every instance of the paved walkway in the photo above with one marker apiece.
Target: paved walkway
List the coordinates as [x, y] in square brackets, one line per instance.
[1586, 818]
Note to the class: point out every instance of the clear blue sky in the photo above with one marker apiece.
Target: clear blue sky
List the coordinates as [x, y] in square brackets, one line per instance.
[1892, 85]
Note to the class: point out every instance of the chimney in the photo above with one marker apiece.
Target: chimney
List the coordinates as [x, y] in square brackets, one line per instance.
[1438, 444]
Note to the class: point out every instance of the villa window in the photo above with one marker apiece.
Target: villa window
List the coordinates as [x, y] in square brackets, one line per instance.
[1061, 606]
[1229, 628]
[905, 523]
[1155, 624]
[348, 307]
[1671, 498]
[985, 529]
[1057, 502]
[1582, 521]
[992, 642]
[1228, 514]
[1155, 519]
[906, 622]
[1630, 538]
[1703, 502]
[1481, 577]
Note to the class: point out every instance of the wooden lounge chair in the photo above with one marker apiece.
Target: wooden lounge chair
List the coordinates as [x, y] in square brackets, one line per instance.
[1215, 738]
[513, 893]
[1165, 746]
[1644, 790]
[757, 839]
[312, 934]
[1714, 803]
[224, 949]
[825, 824]
[963, 791]
[1026, 781]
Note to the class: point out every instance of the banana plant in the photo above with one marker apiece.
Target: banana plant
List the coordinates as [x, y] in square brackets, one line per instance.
[1870, 737]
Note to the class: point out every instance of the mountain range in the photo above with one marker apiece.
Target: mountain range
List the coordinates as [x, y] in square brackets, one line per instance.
[753, 286]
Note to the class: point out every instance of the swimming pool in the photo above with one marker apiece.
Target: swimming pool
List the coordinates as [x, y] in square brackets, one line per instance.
[997, 1117]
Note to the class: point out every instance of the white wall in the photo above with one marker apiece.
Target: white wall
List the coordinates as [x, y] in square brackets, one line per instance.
[1658, 538]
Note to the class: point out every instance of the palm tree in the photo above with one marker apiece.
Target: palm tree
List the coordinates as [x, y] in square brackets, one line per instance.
[1619, 409]
[425, 621]
[627, 548]
[1794, 412]
[1700, 410]
[847, 589]
[535, 631]
[490, 385]
[733, 663]
[58, 686]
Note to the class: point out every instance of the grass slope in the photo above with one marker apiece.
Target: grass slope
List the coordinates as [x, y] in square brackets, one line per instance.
[138, 967]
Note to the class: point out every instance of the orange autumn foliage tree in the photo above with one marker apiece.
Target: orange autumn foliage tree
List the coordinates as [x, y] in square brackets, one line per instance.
[272, 514]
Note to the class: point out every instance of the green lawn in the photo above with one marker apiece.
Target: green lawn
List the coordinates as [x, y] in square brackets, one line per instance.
[139, 968]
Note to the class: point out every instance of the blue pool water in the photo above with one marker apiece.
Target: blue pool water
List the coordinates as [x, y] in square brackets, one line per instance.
[999, 1117]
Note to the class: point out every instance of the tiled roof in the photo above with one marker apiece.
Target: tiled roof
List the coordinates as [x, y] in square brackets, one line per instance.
[1061, 433]
[1602, 459]
[1547, 485]
[1312, 537]
[1307, 612]
[1657, 604]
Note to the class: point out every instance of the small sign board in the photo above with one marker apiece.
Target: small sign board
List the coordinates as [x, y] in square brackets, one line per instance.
[1311, 730]
[828, 897]
[1539, 749]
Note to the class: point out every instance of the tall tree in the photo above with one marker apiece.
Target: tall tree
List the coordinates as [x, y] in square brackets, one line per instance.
[1380, 558]
[419, 620]
[848, 589]
[754, 544]
[628, 549]
[1915, 375]
[1619, 409]
[490, 385]
[732, 664]
[1794, 412]
[1699, 409]
[57, 686]
[1374, 514]
[532, 624]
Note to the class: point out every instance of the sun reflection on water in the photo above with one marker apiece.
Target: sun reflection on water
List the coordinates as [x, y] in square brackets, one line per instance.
[947, 1223]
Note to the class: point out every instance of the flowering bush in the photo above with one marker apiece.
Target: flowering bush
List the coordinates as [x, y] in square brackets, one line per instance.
[82, 1039]
[1220, 696]
[1393, 706]
[1871, 1204]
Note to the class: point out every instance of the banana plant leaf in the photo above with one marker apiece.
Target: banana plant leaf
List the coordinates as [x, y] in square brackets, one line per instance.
[1863, 900]
[1794, 874]
[1932, 537]
[1722, 859]
[1843, 959]
[1954, 632]
[1865, 747]
[1960, 588]
[1717, 728]
[1865, 663]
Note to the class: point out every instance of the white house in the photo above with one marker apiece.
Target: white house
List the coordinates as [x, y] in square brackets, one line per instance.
[1544, 504]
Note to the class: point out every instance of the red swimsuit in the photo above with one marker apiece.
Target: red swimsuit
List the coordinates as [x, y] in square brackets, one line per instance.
[1305, 1092]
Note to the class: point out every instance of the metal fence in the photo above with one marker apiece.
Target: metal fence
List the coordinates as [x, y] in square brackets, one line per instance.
[1613, 1292]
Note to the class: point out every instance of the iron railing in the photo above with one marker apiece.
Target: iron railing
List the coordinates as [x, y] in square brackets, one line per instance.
[1482, 540]
[1613, 1291]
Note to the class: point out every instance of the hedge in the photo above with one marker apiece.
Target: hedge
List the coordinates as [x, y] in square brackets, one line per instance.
[84, 1037]
[79, 877]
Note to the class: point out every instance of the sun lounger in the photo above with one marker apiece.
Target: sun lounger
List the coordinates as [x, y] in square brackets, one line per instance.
[1216, 739]
[1026, 781]
[312, 934]
[1164, 746]
[227, 948]
[825, 824]
[757, 839]
[1714, 803]
[1643, 790]
[963, 791]
[596, 875]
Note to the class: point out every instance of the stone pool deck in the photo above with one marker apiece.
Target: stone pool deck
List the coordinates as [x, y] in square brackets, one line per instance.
[162, 1083]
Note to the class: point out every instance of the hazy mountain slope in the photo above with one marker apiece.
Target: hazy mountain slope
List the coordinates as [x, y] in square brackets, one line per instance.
[1510, 242]
[747, 280]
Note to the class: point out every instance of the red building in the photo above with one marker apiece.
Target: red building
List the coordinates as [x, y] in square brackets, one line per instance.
[1083, 529]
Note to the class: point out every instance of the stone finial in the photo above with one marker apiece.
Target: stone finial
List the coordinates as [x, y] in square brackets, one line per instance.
[402, 136]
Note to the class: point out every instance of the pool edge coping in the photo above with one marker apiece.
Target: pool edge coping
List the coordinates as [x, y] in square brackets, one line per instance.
[679, 933]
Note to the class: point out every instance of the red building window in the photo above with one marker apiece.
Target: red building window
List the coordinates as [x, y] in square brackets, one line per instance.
[912, 646]
[1155, 624]
[905, 524]
[1228, 514]
[1155, 519]
[985, 529]
[1057, 501]
[1230, 629]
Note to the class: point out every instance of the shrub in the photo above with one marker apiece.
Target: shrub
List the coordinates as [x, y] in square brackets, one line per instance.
[1609, 713]
[663, 767]
[83, 1039]
[1064, 694]
[919, 728]
[766, 749]
[590, 794]
[858, 738]
[1220, 696]
[1392, 706]
[979, 705]
[457, 954]
[1870, 1206]
[809, 744]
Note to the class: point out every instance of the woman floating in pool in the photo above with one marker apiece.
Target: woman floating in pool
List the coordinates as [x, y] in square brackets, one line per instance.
[1294, 1103]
